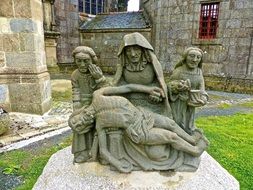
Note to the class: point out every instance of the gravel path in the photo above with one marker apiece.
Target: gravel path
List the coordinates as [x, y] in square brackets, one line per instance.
[219, 98]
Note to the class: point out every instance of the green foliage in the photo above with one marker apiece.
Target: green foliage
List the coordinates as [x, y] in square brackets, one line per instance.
[29, 164]
[11, 169]
[231, 144]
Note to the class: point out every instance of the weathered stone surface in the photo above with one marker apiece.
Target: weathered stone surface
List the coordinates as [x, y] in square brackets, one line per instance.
[26, 93]
[11, 43]
[238, 85]
[27, 42]
[22, 57]
[31, 97]
[4, 122]
[23, 60]
[64, 12]
[2, 58]
[4, 93]
[60, 173]
[233, 23]
[23, 25]
[45, 89]
[35, 108]
[6, 9]
[36, 10]
[22, 93]
[50, 47]
[5, 25]
[22, 8]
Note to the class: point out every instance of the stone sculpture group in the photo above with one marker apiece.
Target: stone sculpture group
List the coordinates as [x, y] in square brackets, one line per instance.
[137, 121]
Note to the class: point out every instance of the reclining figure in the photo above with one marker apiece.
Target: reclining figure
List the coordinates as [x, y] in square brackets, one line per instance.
[141, 126]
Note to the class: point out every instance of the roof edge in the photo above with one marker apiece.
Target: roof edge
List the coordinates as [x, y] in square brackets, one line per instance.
[115, 30]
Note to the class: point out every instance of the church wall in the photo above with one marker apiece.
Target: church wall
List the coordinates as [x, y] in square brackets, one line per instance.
[106, 44]
[67, 18]
[176, 24]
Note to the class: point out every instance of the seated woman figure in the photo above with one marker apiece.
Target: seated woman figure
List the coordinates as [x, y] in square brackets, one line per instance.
[140, 126]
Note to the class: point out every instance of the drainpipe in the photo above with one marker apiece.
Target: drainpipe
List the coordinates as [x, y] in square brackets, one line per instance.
[250, 61]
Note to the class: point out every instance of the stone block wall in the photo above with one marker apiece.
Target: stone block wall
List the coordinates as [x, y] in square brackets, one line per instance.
[24, 80]
[106, 44]
[176, 25]
[229, 84]
[67, 18]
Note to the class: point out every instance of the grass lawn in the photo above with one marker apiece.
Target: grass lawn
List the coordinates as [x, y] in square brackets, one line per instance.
[231, 144]
[28, 164]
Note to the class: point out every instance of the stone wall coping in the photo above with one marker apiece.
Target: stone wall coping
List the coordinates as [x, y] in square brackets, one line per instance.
[115, 30]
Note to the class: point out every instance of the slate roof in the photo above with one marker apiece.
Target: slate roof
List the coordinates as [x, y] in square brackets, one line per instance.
[123, 20]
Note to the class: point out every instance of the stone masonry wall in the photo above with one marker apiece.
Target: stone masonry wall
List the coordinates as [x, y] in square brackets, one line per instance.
[176, 25]
[67, 16]
[24, 80]
[106, 45]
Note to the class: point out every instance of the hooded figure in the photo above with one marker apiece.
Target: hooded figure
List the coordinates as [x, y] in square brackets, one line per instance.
[148, 71]
[139, 65]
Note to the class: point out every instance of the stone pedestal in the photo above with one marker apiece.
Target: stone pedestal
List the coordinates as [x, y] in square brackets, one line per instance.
[61, 173]
[51, 34]
[24, 80]
[50, 48]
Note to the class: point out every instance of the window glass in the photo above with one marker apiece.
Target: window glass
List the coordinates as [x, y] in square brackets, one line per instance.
[80, 5]
[208, 20]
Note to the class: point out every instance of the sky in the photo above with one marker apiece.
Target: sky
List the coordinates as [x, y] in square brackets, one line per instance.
[133, 5]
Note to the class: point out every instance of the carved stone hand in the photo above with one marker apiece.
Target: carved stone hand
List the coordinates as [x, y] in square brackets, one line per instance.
[95, 71]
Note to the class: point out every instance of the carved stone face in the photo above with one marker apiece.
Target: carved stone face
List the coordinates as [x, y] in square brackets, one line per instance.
[83, 61]
[133, 54]
[193, 59]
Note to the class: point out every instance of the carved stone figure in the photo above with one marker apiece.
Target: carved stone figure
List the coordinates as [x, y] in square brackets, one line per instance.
[139, 65]
[187, 88]
[140, 126]
[130, 123]
[85, 80]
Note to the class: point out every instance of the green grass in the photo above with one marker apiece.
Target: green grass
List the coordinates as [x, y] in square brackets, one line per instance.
[65, 96]
[28, 164]
[247, 104]
[231, 144]
[224, 106]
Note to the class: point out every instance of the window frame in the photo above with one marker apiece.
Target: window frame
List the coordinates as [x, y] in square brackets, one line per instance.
[208, 27]
[93, 6]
